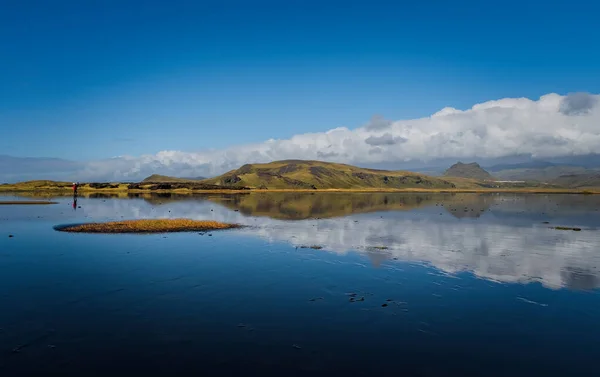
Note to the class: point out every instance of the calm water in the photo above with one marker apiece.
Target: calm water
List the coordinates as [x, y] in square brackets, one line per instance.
[403, 285]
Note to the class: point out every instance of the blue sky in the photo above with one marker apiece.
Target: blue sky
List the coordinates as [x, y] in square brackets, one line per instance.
[95, 79]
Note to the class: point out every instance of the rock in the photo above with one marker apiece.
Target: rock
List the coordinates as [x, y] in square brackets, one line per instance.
[384, 305]
[10, 236]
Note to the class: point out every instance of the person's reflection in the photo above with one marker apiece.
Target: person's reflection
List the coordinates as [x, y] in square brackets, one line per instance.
[75, 202]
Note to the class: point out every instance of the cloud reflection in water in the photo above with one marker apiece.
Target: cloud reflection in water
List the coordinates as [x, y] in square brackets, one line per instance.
[499, 238]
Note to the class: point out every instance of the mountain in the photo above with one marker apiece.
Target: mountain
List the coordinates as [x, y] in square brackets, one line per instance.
[157, 178]
[301, 174]
[547, 174]
[472, 171]
[535, 164]
[578, 180]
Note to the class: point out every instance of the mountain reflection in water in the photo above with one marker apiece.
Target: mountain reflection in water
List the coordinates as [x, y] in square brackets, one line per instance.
[502, 238]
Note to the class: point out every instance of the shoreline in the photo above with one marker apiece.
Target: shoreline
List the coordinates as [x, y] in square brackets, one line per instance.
[25, 202]
[591, 191]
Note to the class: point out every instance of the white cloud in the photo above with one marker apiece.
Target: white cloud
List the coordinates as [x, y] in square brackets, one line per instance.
[551, 126]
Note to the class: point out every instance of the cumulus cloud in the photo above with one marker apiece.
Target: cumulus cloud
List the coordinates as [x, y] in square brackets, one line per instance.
[385, 139]
[578, 103]
[378, 122]
[550, 126]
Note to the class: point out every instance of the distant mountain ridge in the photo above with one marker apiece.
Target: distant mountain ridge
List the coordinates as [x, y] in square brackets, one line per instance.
[471, 170]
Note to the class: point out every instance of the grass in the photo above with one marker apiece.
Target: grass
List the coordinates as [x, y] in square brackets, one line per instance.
[149, 226]
[25, 202]
[378, 248]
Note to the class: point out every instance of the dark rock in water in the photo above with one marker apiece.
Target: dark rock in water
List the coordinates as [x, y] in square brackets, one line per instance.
[210, 235]
[10, 236]
[567, 228]
[384, 305]
[546, 222]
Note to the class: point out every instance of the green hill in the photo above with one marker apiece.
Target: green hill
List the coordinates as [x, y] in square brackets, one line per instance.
[472, 171]
[301, 174]
[157, 178]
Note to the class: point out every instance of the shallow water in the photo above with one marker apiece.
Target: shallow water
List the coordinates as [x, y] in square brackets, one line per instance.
[404, 284]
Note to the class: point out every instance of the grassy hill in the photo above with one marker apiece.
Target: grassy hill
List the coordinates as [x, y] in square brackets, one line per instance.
[471, 171]
[300, 174]
[157, 178]
[578, 180]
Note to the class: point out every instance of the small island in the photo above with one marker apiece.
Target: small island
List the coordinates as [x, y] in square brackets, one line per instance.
[148, 226]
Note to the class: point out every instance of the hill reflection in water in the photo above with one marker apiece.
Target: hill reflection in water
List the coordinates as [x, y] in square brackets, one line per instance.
[502, 238]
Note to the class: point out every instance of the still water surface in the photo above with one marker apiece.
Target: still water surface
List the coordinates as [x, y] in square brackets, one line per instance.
[416, 285]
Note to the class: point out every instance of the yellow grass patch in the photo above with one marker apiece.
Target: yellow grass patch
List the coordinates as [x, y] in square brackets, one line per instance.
[149, 226]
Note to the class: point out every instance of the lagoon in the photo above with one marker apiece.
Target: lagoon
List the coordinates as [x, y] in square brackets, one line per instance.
[400, 284]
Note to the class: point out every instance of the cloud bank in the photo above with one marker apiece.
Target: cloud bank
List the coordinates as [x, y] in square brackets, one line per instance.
[551, 126]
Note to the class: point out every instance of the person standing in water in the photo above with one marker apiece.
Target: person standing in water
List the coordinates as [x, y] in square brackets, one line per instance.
[75, 186]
